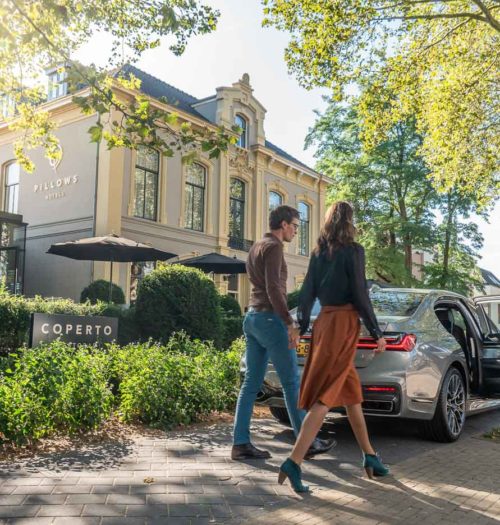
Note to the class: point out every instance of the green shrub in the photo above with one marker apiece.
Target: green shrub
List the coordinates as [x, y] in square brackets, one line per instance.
[230, 306]
[16, 310]
[52, 388]
[99, 291]
[175, 383]
[175, 298]
[232, 328]
[293, 299]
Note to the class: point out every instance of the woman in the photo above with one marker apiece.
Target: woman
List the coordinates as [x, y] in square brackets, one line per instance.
[336, 275]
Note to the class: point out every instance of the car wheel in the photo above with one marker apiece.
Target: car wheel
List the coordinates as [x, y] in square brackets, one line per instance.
[281, 414]
[449, 418]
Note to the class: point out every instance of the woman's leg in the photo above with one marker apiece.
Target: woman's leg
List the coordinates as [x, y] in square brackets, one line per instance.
[358, 425]
[308, 431]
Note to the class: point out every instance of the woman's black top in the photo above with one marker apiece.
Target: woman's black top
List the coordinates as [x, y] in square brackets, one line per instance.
[335, 281]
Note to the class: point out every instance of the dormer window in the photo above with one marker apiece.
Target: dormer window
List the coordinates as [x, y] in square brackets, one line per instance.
[58, 87]
[241, 122]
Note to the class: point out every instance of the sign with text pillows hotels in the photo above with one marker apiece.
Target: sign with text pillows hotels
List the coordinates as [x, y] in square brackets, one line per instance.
[72, 329]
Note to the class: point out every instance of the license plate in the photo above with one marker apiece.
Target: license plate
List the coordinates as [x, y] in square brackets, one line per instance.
[303, 348]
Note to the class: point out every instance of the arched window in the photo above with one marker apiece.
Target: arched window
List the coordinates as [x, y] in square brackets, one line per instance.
[194, 197]
[237, 209]
[147, 170]
[275, 200]
[242, 123]
[12, 175]
[303, 237]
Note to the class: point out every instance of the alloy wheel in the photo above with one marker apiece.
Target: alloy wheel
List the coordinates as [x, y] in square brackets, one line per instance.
[455, 404]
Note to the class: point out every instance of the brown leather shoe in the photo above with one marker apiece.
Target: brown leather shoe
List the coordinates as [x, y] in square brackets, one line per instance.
[248, 451]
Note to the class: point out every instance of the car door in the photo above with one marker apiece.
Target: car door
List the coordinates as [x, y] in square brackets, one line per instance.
[488, 312]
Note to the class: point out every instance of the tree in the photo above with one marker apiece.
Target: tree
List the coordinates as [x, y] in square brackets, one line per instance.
[457, 243]
[440, 56]
[388, 186]
[37, 34]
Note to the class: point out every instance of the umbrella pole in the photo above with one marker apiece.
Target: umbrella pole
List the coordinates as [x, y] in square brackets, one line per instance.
[110, 283]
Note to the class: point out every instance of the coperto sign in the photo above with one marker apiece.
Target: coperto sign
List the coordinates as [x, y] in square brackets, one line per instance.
[72, 328]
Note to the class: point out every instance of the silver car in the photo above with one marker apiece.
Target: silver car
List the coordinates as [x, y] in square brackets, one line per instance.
[442, 360]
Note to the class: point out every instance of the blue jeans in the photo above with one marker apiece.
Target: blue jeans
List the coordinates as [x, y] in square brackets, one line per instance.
[266, 339]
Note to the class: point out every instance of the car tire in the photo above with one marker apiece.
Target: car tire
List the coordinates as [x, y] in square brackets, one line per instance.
[449, 418]
[281, 414]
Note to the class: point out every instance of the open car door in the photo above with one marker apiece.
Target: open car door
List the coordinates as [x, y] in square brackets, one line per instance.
[488, 310]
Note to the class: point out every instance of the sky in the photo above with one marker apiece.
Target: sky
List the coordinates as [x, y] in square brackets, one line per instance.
[240, 45]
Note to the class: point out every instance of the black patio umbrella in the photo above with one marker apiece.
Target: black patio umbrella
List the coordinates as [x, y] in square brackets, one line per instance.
[216, 263]
[109, 248]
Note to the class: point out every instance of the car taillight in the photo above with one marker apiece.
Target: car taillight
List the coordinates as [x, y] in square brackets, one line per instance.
[402, 342]
[388, 389]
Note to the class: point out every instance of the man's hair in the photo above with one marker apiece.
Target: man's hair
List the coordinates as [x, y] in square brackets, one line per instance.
[280, 214]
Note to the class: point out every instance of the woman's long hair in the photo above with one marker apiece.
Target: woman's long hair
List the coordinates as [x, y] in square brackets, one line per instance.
[338, 229]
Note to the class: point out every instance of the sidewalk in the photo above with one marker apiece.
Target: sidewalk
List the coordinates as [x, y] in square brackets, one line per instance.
[187, 478]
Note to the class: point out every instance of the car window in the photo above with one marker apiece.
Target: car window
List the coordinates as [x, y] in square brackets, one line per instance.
[395, 303]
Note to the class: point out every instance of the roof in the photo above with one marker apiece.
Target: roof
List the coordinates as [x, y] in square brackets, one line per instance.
[157, 88]
[490, 278]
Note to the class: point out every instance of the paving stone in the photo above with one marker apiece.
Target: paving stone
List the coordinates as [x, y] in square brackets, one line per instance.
[126, 499]
[77, 521]
[124, 521]
[45, 499]
[148, 510]
[103, 510]
[29, 521]
[15, 499]
[18, 511]
[60, 510]
[72, 489]
[194, 511]
[85, 499]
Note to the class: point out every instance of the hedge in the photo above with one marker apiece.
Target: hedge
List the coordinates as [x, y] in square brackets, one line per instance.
[57, 388]
[176, 298]
[99, 291]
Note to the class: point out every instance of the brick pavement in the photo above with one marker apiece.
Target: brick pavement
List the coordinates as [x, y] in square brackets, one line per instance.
[186, 478]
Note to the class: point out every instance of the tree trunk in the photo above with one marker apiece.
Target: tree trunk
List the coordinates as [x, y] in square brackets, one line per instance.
[447, 242]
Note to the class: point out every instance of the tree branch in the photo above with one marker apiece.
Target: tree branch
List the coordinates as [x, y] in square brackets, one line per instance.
[487, 13]
[475, 16]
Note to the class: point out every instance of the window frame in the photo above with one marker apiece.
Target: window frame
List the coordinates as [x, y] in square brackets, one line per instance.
[203, 199]
[280, 195]
[146, 171]
[5, 187]
[243, 138]
[242, 202]
[303, 222]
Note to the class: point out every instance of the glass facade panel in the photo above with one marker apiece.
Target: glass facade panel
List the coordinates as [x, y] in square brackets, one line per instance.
[12, 250]
[12, 174]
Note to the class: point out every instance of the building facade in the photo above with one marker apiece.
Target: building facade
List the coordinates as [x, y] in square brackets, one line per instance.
[211, 205]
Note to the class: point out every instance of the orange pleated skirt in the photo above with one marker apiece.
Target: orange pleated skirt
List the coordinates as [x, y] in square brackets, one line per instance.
[329, 374]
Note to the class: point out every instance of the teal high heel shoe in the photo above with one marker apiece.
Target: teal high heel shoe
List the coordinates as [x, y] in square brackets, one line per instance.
[374, 466]
[289, 469]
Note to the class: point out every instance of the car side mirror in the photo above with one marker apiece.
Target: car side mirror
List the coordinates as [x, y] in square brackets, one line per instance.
[493, 335]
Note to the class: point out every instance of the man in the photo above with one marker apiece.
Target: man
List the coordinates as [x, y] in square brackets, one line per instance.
[270, 333]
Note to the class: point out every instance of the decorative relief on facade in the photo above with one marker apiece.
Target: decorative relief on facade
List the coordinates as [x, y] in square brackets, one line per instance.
[239, 159]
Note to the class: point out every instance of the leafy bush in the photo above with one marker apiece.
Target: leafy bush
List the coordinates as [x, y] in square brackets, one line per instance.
[293, 299]
[176, 383]
[53, 388]
[230, 306]
[99, 291]
[16, 310]
[173, 298]
[232, 328]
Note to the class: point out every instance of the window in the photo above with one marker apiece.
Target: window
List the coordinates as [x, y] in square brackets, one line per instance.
[237, 209]
[147, 168]
[7, 106]
[138, 271]
[242, 123]
[304, 211]
[194, 197]
[275, 200]
[12, 173]
[58, 86]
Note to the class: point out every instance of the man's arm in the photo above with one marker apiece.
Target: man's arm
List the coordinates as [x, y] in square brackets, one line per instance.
[273, 258]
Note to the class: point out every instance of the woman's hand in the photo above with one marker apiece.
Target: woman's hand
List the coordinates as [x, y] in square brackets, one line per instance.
[381, 343]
